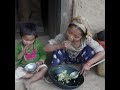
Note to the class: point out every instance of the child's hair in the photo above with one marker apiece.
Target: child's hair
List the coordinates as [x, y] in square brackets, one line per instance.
[28, 28]
[101, 35]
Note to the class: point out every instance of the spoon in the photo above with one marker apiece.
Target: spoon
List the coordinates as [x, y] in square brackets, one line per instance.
[74, 74]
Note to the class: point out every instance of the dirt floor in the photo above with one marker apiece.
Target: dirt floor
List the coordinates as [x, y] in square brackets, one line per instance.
[92, 80]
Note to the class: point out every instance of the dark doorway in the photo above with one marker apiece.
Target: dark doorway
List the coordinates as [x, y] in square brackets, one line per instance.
[32, 10]
[51, 16]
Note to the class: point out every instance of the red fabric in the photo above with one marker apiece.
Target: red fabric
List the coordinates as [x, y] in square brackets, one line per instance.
[30, 56]
[102, 43]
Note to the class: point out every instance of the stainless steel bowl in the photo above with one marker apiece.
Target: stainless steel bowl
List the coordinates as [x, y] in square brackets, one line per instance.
[74, 74]
[31, 67]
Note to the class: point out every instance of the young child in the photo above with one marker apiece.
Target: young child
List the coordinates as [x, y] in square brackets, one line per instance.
[101, 40]
[75, 46]
[29, 50]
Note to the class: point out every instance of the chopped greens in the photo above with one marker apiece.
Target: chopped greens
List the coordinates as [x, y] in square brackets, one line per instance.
[64, 76]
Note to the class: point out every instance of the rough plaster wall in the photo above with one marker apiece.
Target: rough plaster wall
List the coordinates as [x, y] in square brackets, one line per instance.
[93, 11]
[66, 8]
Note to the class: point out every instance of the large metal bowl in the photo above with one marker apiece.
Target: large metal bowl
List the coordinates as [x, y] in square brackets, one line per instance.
[54, 71]
[31, 67]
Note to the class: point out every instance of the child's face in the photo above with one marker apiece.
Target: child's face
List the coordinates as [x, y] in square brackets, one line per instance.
[28, 39]
[73, 34]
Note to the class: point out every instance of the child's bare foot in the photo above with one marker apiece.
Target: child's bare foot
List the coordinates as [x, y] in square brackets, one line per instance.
[27, 84]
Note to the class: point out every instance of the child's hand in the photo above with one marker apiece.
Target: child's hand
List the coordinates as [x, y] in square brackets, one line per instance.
[25, 49]
[23, 52]
[85, 68]
[39, 63]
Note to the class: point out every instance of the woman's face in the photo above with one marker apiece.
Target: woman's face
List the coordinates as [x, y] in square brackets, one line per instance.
[73, 34]
[28, 39]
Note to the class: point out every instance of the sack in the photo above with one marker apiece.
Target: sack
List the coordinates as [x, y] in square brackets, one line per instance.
[101, 69]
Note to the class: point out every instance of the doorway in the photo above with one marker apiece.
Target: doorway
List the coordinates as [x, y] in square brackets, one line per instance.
[51, 17]
[35, 11]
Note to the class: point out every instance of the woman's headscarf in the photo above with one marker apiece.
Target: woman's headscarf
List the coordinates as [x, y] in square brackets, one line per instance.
[80, 21]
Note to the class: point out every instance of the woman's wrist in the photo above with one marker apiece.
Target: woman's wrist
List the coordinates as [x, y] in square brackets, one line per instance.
[88, 63]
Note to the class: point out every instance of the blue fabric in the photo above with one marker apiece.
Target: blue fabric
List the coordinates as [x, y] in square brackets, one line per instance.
[61, 56]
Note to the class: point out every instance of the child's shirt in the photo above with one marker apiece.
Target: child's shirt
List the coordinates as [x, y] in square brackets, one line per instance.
[35, 53]
[74, 52]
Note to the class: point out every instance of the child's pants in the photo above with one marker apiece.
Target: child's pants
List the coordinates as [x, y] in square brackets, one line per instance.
[20, 72]
[61, 56]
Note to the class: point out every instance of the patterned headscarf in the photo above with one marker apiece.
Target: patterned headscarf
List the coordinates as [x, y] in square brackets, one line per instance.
[80, 21]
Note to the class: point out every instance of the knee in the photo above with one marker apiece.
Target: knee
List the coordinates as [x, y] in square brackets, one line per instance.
[28, 75]
[42, 72]
[101, 69]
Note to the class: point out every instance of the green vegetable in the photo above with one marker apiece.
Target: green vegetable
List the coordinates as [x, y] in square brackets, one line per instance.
[64, 76]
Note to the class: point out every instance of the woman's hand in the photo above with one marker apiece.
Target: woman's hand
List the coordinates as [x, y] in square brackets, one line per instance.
[86, 67]
[67, 44]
